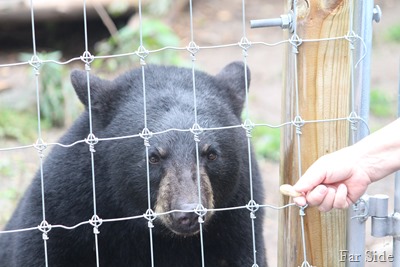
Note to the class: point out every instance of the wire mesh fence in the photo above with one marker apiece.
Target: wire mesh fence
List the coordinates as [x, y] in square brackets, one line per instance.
[197, 131]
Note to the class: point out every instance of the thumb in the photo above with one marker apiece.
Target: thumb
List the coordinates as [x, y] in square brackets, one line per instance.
[313, 177]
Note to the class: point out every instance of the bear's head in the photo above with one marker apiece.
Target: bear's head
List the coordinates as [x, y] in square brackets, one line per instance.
[181, 165]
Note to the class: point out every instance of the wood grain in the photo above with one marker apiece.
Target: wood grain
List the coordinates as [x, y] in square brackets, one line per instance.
[324, 88]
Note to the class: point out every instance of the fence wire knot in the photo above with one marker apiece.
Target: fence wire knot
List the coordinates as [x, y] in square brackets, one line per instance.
[40, 146]
[193, 48]
[302, 209]
[44, 227]
[361, 207]
[91, 140]
[248, 125]
[244, 43]
[146, 134]
[196, 130]
[353, 119]
[36, 63]
[87, 58]
[150, 215]
[142, 53]
[302, 214]
[253, 207]
[295, 41]
[201, 212]
[351, 36]
[95, 221]
[298, 122]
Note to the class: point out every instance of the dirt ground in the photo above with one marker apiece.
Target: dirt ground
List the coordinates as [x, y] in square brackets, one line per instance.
[219, 22]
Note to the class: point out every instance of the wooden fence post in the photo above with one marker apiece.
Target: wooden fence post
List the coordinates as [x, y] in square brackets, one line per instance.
[324, 92]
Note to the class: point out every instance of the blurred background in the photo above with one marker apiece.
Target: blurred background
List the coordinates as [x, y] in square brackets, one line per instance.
[113, 28]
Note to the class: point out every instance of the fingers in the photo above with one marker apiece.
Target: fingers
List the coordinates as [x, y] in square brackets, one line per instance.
[300, 201]
[314, 176]
[326, 198]
[341, 201]
[314, 197]
[317, 196]
[308, 181]
[327, 203]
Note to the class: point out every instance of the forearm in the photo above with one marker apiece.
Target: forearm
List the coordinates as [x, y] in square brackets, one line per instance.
[380, 152]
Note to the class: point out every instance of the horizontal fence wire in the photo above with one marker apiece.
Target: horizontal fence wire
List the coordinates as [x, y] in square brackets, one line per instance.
[155, 214]
[141, 54]
[40, 145]
[36, 60]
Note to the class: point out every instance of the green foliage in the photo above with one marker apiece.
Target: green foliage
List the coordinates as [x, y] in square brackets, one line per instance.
[156, 35]
[52, 97]
[266, 142]
[5, 168]
[393, 33]
[21, 126]
[10, 194]
[55, 89]
[381, 104]
[56, 106]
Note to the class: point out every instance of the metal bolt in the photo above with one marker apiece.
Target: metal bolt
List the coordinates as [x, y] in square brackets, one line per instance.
[287, 21]
[376, 14]
[284, 21]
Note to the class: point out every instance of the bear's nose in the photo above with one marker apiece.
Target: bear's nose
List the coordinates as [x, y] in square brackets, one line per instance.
[186, 219]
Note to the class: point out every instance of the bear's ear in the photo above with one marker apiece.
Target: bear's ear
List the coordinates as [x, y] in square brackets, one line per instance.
[233, 78]
[100, 90]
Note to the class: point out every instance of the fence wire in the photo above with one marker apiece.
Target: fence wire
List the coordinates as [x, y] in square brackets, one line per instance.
[192, 49]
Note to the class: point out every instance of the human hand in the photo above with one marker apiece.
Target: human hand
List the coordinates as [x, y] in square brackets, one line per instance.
[336, 180]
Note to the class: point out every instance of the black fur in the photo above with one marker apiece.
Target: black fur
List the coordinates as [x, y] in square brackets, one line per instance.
[120, 172]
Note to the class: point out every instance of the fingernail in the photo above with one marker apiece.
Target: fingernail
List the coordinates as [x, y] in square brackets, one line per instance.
[300, 201]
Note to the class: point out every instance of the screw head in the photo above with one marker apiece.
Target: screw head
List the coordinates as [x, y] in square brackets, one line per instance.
[376, 14]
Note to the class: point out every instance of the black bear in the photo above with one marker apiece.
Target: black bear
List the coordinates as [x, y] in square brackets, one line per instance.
[161, 140]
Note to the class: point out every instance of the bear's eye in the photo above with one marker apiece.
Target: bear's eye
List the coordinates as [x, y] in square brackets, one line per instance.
[154, 159]
[212, 155]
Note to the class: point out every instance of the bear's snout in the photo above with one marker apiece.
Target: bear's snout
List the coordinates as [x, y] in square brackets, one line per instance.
[186, 220]
[178, 192]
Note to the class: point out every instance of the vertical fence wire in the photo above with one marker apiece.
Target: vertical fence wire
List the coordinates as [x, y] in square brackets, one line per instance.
[196, 130]
[248, 127]
[44, 227]
[146, 134]
[298, 123]
[91, 140]
[352, 51]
